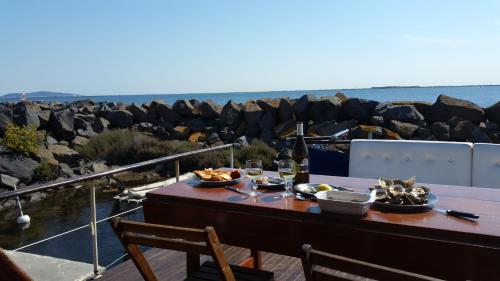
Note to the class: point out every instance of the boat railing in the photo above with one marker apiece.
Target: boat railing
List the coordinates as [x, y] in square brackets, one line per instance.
[92, 177]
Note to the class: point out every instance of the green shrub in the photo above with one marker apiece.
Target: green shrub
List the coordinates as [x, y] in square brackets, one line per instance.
[46, 171]
[257, 150]
[24, 140]
[112, 146]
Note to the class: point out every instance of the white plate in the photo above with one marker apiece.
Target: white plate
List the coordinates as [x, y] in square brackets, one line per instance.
[345, 202]
[220, 183]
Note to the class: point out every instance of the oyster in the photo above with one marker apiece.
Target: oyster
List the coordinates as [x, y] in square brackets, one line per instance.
[401, 192]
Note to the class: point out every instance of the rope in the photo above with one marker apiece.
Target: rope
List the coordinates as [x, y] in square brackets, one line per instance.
[115, 261]
[75, 229]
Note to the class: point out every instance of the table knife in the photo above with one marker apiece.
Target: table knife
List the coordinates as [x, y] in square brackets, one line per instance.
[237, 190]
[458, 214]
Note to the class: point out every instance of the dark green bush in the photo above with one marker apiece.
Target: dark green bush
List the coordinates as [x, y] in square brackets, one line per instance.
[46, 171]
[112, 146]
[257, 150]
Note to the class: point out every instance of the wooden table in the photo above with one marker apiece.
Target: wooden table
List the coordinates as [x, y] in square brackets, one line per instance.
[429, 243]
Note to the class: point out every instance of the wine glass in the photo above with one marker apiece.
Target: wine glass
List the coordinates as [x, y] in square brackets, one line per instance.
[286, 169]
[253, 169]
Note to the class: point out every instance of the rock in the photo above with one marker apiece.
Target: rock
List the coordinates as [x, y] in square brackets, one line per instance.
[441, 130]
[269, 105]
[65, 154]
[422, 106]
[252, 130]
[183, 108]
[324, 109]
[197, 137]
[462, 131]
[363, 132]
[161, 133]
[231, 114]
[242, 141]
[402, 113]
[405, 130]
[50, 140]
[341, 97]
[329, 128]
[161, 110]
[267, 121]
[44, 118]
[4, 122]
[377, 121]
[180, 132]
[102, 110]
[66, 170]
[285, 129]
[359, 109]
[208, 110]
[45, 155]
[447, 107]
[120, 118]
[388, 134]
[252, 112]
[18, 166]
[423, 133]
[98, 167]
[8, 182]
[145, 127]
[26, 114]
[227, 135]
[301, 107]
[196, 124]
[267, 136]
[495, 137]
[489, 126]
[100, 124]
[285, 110]
[493, 112]
[214, 139]
[80, 141]
[479, 136]
[62, 124]
[138, 113]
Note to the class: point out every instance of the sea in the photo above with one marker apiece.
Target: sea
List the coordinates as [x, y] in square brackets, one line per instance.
[482, 95]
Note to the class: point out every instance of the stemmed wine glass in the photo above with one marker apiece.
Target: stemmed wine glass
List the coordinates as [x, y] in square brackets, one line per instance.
[253, 169]
[286, 169]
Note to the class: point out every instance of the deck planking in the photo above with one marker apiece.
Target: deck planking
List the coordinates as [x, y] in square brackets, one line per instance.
[171, 265]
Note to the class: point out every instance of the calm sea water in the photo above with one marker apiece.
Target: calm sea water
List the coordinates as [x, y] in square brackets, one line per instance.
[481, 95]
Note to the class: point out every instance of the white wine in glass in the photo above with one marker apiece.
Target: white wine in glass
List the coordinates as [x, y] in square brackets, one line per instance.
[254, 169]
[286, 169]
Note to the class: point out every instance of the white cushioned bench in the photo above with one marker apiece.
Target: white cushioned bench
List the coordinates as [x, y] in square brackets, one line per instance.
[431, 161]
[486, 165]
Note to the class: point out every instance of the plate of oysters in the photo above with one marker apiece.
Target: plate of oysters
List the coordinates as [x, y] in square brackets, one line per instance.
[402, 195]
[218, 177]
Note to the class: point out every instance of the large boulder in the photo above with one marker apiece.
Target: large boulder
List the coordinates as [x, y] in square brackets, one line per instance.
[100, 124]
[285, 110]
[479, 136]
[285, 129]
[5, 118]
[267, 121]
[184, 108]
[301, 107]
[159, 109]
[18, 166]
[359, 109]
[208, 110]
[462, 131]
[26, 114]
[403, 113]
[252, 112]
[44, 118]
[405, 130]
[422, 106]
[441, 131]
[138, 112]
[324, 109]
[120, 118]
[65, 154]
[232, 114]
[329, 128]
[181, 132]
[61, 123]
[447, 107]
[196, 124]
[269, 105]
[8, 182]
[493, 112]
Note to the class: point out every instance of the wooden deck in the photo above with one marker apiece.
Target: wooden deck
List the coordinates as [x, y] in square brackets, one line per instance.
[170, 265]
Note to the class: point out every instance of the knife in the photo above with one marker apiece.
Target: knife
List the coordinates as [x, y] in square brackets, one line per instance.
[458, 214]
[237, 190]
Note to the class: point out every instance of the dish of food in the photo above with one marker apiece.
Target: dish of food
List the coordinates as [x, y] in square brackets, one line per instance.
[312, 188]
[218, 177]
[269, 182]
[396, 194]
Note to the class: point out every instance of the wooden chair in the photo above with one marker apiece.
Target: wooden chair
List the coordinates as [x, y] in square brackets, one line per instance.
[10, 271]
[194, 242]
[312, 259]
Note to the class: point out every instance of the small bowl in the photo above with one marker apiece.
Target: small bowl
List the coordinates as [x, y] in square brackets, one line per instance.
[344, 202]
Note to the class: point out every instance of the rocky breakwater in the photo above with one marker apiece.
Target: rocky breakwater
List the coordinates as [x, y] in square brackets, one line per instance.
[67, 126]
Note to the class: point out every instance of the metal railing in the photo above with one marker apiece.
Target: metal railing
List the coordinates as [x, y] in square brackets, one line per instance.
[93, 220]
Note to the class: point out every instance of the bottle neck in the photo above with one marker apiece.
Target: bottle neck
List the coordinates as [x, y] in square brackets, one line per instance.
[300, 129]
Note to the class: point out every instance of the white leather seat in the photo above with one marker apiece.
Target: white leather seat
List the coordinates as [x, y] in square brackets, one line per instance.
[486, 165]
[431, 161]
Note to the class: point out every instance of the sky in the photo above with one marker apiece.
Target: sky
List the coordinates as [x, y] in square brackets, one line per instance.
[96, 47]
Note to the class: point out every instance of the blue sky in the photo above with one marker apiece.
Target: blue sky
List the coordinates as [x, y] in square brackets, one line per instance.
[139, 47]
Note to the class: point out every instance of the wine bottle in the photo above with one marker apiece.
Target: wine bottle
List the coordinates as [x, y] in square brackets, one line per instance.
[301, 156]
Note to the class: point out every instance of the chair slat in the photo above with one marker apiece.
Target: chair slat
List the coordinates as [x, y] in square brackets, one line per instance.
[191, 234]
[167, 243]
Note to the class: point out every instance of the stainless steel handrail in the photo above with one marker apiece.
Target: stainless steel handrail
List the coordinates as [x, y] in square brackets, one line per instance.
[93, 220]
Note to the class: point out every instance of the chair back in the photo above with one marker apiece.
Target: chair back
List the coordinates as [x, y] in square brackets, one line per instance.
[10, 271]
[194, 242]
[430, 161]
[312, 259]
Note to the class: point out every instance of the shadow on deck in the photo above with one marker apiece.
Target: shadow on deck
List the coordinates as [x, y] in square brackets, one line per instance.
[171, 265]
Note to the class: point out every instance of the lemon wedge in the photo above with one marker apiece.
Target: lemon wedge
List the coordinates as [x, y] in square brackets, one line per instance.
[324, 187]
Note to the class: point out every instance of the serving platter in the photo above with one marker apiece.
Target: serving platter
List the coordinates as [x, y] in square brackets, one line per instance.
[219, 183]
[431, 200]
[272, 182]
